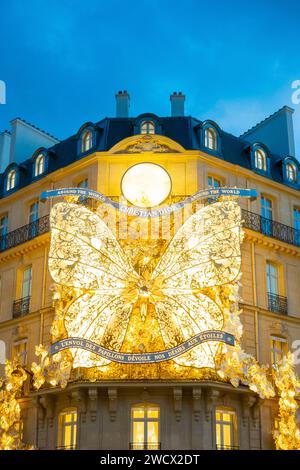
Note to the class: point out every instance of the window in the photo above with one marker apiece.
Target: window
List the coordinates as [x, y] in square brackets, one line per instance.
[26, 283]
[213, 182]
[210, 138]
[2, 352]
[267, 215]
[3, 232]
[279, 348]
[83, 183]
[86, 141]
[33, 218]
[19, 351]
[291, 173]
[260, 160]
[11, 180]
[147, 127]
[145, 426]
[39, 165]
[296, 220]
[226, 429]
[67, 429]
[272, 278]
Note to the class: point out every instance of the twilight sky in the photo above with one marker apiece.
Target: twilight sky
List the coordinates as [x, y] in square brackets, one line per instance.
[63, 60]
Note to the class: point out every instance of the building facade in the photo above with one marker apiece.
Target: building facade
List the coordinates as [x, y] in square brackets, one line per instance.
[158, 411]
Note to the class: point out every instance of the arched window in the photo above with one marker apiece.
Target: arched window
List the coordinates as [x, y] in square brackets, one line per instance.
[260, 160]
[147, 127]
[39, 166]
[67, 429]
[210, 138]
[145, 426]
[86, 141]
[226, 428]
[291, 173]
[11, 180]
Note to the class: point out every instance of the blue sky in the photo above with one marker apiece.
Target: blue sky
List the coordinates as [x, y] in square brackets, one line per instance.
[63, 60]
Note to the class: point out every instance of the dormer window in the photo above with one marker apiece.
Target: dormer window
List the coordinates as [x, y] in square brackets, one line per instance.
[11, 180]
[260, 160]
[39, 165]
[210, 138]
[147, 127]
[291, 173]
[86, 141]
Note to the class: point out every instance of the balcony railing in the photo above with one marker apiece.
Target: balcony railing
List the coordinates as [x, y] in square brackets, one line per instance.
[25, 233]
[222, 447]
[269, 227]
[145, 446]
[72, 447]
[21, 307]
[277, 303]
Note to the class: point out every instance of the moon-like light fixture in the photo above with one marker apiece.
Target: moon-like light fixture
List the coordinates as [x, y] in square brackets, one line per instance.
[146, 184]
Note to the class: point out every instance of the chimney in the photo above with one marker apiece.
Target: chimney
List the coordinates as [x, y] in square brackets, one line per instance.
[177, 104]
[122, 104]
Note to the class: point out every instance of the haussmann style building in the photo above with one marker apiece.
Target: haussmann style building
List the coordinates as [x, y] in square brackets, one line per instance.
[134, 407]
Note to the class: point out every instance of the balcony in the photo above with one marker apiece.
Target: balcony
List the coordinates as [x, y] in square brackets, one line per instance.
[71, 447]
[145, 445]
[277, 303]
[21, 307]
[25, 233]
[222, 447]
[271, 228]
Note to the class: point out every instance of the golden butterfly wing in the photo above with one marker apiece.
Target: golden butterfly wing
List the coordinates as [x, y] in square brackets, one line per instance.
[85, 256]
[205, 250]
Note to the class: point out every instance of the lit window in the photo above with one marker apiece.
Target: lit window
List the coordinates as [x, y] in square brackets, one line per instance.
[260, 160]
[11, 180]
[291, 172]
[210, 138]
[67, 429]
[147, 127]
[145, 427]
[39, 166]
[26, 283]
[272, 278]
[296, 220]
[279, 349]
[87, 141]
[19, 351]
[226, 429]
[3, 232]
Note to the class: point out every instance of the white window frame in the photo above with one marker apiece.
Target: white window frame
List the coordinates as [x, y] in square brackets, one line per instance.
[272, 273]
[11, 180]
[86, 141]
[210, 138]
[22, 356]
[147, 127]
[291, 172]
[277, 353]
[62, 425]
[260, 160]
[28, 281]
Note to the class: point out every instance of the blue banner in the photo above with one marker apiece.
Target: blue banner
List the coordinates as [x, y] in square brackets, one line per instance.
[139, 211]
[145, 358]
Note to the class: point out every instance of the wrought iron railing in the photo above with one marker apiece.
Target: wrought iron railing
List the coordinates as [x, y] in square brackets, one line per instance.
[222, 447]
[25, 233]
[145, 445]
[21, 307]
[269, 227]
[277, 303]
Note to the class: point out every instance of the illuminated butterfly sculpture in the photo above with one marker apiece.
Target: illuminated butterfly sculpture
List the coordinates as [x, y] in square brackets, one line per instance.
[86, 257]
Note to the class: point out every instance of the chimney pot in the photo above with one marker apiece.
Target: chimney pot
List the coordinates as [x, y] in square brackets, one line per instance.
[177, 104]
[122, 104]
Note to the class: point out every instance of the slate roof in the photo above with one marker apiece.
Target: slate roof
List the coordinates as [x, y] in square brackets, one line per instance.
[109, 131]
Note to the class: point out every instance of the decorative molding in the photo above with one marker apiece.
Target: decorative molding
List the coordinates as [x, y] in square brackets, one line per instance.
[48, 402]
[112, 403]
[177, 396]
[147, 143]
[211, 397]
[79, 397]
[93, 402]
[197, 403]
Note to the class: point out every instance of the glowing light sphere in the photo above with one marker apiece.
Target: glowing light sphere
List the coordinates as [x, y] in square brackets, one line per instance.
[146, 184]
